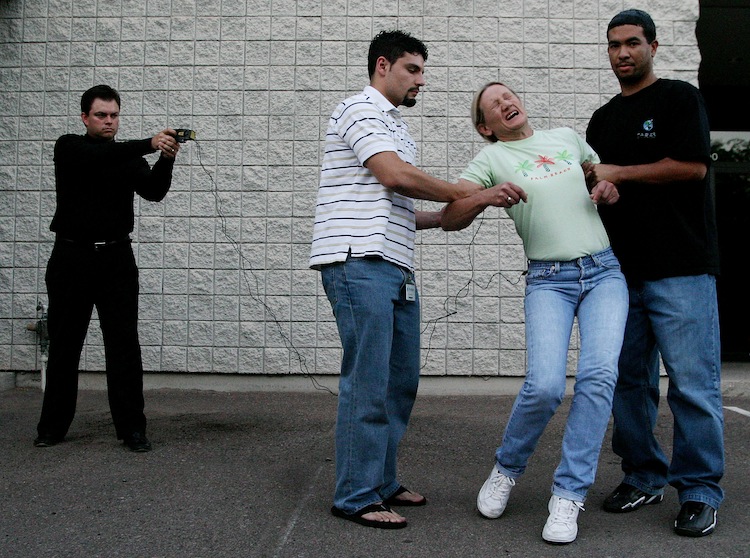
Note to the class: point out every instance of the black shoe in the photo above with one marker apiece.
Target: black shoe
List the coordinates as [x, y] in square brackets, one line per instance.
[695, 519]
[47, 440]
[137, 442]
[627, 498]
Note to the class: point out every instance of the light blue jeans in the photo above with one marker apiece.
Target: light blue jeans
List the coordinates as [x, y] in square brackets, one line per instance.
[677, 317]
[594, 290]
[379, 331]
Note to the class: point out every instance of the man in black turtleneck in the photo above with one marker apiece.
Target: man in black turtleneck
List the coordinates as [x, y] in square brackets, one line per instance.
[92, 264]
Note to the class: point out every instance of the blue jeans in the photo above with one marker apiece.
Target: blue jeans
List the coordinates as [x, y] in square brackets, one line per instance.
[593, 289]
[677, 317]
[379, 331]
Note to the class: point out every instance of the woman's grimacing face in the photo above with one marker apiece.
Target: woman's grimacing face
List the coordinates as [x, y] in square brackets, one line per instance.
[504, 114]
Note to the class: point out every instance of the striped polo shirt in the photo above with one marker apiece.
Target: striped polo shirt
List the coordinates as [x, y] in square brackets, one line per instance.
[354, 212]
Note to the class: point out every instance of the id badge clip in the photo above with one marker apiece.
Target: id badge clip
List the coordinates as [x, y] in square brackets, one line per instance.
[410, 289]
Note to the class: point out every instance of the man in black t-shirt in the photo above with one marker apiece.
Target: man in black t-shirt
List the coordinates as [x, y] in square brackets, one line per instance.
[653, 141]
[92, 264]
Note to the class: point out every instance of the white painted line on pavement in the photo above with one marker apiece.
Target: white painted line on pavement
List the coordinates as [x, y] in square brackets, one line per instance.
[738, 410]
[296, 515]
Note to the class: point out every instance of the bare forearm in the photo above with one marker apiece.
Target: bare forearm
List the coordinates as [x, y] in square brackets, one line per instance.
[417, 184]
[664, 171]
[459, 214]
[410, 181]
[429, 219]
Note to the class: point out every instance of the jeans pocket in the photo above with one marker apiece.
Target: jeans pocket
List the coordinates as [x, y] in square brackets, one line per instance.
[610, 264]
[328, 278]
[607, 260]
[539, 273]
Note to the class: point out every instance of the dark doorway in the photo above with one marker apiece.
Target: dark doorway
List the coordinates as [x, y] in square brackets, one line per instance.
[730, 176]
[723, 33]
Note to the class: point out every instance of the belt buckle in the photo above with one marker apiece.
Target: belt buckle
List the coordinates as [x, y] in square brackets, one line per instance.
[99, 245]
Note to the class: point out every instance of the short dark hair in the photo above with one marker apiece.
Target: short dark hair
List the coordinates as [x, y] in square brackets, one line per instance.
[393, 45]
[635, 17]
[103, 92]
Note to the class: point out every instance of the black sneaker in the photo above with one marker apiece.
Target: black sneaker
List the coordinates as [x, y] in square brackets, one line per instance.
[627, 498]
[695, 519]
[47, 440]
[137, 442]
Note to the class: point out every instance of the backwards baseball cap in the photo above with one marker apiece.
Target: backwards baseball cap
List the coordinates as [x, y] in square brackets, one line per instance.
[635, 17]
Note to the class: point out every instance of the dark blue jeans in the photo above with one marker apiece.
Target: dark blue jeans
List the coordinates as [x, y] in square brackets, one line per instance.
[78, 278]
[678, 318]
[379, 330]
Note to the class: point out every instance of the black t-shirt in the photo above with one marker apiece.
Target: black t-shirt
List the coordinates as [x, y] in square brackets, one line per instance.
[664, 230]
[95, 182]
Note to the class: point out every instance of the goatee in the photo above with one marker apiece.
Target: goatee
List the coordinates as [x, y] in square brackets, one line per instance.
[409, 102]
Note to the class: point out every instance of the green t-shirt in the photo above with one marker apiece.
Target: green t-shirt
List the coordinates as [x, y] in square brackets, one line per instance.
[558, 222]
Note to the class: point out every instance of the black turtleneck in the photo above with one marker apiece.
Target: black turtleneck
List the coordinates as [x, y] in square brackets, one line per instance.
[96, 181]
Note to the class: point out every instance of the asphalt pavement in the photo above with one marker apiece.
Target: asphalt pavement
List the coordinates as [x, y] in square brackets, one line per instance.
[250, 474]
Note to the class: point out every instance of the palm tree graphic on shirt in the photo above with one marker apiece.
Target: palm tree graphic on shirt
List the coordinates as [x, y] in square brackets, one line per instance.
[544, 161]
[524, 166]
[564, 156]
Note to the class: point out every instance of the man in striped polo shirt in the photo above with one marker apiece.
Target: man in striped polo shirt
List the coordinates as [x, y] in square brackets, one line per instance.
[363, 245]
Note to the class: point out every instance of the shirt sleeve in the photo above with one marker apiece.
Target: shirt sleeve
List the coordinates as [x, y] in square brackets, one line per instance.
[479, 170]
[76, 150]
[362, 126]
[689, 137]
[588, 155]
[592, 133]
[153, 183]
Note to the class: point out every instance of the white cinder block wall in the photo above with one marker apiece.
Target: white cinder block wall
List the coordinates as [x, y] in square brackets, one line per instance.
[224, 277]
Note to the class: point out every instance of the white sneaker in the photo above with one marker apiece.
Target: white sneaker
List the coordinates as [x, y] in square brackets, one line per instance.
[494, 494]
[561, 526]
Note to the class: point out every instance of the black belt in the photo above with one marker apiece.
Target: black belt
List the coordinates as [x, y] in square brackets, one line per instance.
[95, 245]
